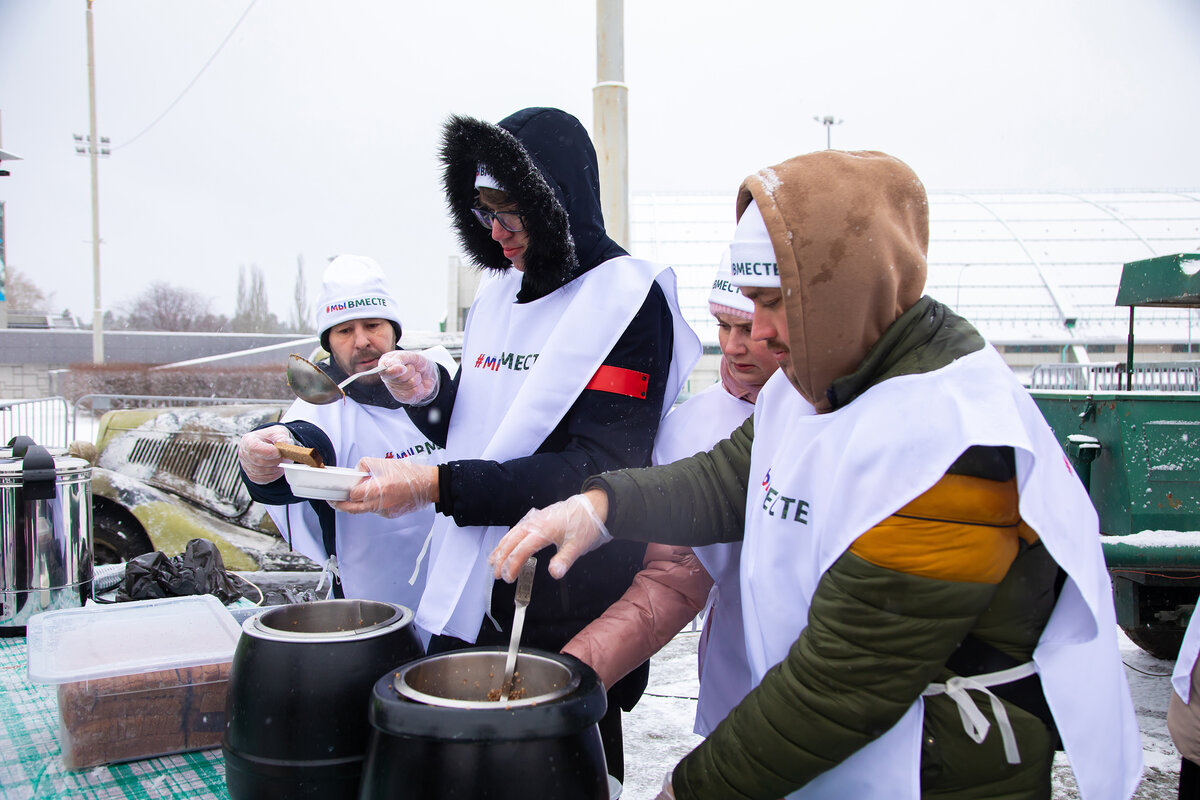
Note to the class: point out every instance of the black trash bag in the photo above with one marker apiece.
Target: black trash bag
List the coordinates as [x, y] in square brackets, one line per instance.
[199, 569]
[288, 596]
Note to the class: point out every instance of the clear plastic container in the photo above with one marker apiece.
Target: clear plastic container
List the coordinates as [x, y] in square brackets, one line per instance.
[135, 680]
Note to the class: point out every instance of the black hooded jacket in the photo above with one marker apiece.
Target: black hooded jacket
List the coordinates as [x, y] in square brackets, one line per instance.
[545, 161]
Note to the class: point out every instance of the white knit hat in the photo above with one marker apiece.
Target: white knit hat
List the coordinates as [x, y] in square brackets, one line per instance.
[725, 297]
[484, 178]
[353, 287]
[752, 256]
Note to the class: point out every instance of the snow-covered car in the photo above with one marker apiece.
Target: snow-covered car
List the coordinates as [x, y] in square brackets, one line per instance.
[164, 476]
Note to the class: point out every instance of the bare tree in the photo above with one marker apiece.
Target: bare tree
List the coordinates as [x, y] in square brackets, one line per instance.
[301, 313]
[22, 294]
[163, 307]
[252, 314]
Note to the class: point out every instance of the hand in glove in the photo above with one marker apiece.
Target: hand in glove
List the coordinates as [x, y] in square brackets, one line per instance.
[258, 456]
[667, 793]
[575, 526]
[393, 486]
[410, 377]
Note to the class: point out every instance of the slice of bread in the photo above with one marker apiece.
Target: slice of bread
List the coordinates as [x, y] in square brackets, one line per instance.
[301, 455]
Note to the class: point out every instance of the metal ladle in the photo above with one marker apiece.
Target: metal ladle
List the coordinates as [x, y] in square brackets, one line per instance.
[310, 384]
[524, 588]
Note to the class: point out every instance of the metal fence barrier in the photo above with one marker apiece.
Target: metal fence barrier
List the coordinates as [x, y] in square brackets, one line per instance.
[96, 404]
[44, 419]
[1169, 376]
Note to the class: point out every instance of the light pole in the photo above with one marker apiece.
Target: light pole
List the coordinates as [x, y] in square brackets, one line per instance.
[94, 152]
[829, 122]
[610, 118]
[4, 156]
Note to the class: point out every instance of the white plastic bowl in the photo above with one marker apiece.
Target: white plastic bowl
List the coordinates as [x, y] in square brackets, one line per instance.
[327, 483]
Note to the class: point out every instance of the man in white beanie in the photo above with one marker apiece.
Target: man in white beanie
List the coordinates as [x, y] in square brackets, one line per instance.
[679, 582]
[369, 557]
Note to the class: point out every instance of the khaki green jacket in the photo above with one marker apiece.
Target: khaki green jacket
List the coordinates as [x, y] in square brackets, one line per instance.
[876, 637]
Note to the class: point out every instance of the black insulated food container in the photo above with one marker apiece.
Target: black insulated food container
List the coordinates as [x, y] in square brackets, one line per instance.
[435, 733]
[299, 689]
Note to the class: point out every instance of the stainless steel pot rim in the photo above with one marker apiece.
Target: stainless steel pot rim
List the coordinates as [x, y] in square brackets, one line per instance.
[405, 689]
[56, 452]
[253, 626]
[65, 467]
[478, 705]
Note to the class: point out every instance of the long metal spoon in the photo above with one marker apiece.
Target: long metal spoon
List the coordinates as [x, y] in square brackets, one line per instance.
[524, 589]
[310, 384]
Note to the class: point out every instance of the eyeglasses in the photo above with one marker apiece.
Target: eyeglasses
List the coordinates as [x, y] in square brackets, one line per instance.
[511, 221]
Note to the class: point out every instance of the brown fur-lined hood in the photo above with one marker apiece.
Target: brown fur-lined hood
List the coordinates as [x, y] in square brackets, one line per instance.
[850, 231]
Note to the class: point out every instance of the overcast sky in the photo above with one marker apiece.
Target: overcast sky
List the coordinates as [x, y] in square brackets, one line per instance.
[314, 130]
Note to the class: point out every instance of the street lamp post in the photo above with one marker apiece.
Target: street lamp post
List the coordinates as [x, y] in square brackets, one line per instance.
[828, 122]
[94, 153]
[4, 156]
[93, 149]
[610, 118]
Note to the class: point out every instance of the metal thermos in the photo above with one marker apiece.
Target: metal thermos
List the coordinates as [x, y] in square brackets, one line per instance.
[45, 533]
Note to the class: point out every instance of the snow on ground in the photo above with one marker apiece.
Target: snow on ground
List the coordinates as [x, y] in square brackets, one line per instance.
[1150, 686]
[658, 732]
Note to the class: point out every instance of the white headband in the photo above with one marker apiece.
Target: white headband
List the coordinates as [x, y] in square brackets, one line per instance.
[725, 297]
[485, 179]
[752, 257]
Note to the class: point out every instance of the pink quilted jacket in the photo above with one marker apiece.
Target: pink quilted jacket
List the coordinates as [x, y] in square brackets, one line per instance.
[667, 594]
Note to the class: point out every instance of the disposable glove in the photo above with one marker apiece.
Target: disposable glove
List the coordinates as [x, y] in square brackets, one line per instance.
[394, 486]
[573, 526]
[258, 456]
[667, 793]
[410, 377]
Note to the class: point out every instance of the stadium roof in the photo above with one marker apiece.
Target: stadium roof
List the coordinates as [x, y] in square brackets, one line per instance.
[1021, 266]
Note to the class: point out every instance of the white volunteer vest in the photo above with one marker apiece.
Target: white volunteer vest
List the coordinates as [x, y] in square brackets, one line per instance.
[725, 678]
[1181, 676]
[374, 553]
[524, 365]
[817, 482]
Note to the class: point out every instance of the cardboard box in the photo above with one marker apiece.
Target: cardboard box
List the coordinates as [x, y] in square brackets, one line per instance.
[135, 680]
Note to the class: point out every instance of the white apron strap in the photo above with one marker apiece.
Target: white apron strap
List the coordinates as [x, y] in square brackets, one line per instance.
[974, 723]
[329, 570]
